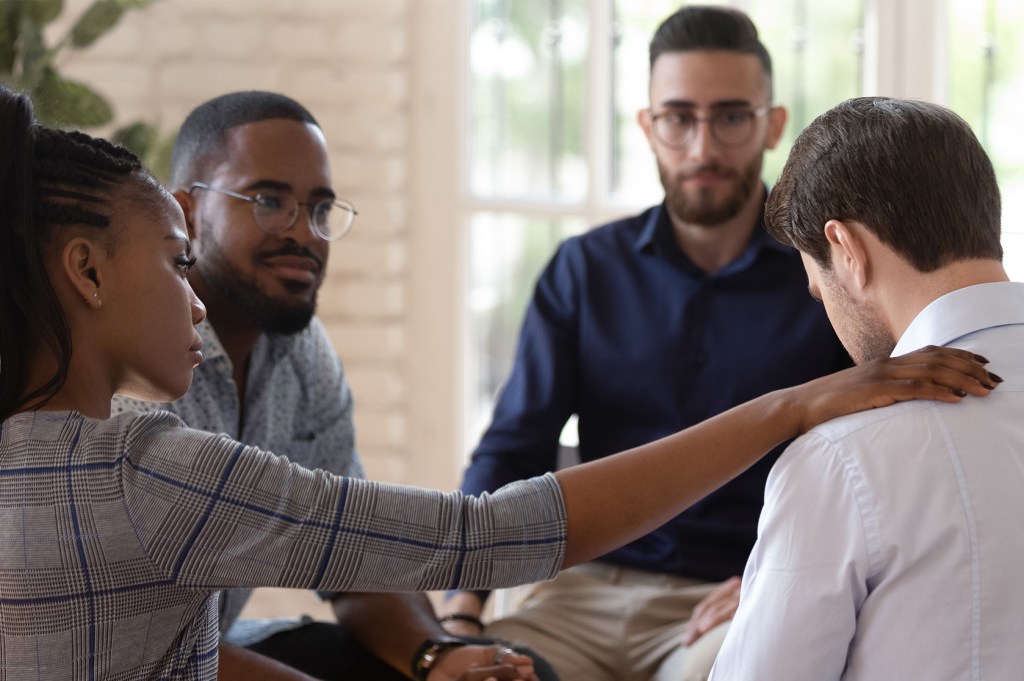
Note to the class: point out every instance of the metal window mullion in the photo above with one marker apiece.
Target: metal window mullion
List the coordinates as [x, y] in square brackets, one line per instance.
[552, 38]
[600, 109]
[905, 51]
[798, 92]
[989, 64]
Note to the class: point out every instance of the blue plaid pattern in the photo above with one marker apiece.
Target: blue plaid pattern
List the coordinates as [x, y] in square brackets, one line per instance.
[297, 404]
[115, 536]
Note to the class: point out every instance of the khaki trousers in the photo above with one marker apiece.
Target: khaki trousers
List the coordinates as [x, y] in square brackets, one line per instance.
[598, 622]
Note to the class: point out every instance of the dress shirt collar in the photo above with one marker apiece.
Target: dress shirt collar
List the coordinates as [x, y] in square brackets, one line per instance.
[962, 312]
[658, 236]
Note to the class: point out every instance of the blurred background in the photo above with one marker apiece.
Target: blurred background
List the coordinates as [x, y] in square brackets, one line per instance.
[473, 135]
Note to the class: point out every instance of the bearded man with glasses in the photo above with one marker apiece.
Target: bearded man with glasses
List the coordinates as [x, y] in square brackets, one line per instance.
[647, 325]
[251, 173]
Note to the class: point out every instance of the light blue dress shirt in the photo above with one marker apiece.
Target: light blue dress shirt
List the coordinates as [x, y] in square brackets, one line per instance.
[891, 542]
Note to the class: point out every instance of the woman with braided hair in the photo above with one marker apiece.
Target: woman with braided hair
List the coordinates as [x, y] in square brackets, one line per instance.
[116, 533]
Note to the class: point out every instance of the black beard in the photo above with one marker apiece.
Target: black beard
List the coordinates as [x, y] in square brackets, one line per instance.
[264, 312]
[703, 211]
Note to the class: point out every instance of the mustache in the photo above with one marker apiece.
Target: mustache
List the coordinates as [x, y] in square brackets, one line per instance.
[294, 250]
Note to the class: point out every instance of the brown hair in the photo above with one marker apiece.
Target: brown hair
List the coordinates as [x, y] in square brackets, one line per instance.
[912, 172]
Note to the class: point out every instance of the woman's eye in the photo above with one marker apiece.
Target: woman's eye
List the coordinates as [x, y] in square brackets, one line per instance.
[184, 264]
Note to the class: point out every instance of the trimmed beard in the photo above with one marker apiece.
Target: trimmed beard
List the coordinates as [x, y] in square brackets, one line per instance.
[699, 209]
[265, 312]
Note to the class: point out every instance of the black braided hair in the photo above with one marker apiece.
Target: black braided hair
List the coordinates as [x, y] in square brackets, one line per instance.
[48, 179]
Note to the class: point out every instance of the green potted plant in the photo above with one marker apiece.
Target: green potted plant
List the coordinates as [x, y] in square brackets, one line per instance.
[29, 64]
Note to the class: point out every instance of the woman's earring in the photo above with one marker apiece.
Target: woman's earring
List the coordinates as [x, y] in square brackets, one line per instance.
[96, 297]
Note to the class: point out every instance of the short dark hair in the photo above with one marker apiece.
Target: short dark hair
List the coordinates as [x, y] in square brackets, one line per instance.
[912, 172]
[203, 134]
[706, 27]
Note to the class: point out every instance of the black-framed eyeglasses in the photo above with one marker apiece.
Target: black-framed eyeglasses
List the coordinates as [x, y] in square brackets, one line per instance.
[275, 212]
[732, 127]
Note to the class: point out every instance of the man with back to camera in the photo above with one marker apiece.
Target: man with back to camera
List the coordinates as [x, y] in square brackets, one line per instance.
[890, 542]
[251, 172]
[648, 325]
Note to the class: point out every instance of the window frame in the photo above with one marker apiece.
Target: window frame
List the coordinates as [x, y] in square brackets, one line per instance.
[904, 55]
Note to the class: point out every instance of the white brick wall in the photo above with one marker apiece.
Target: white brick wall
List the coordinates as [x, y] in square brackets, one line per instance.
[350, 62]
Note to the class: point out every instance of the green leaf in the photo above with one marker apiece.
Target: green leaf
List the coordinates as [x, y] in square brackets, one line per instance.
[67, 103]
[159, 157]
[101, 16]
[30, 37]
[10, 18]
[138, 137]
[44, 11]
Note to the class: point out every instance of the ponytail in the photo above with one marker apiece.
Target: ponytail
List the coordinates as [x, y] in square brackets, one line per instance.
[20, 267]
[48, 179]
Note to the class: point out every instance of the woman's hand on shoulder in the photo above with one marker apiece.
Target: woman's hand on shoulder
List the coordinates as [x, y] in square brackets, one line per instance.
[931, 373]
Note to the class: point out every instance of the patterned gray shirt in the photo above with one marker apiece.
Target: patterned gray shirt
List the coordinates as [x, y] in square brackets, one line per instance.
[297, 404]
[115, 536]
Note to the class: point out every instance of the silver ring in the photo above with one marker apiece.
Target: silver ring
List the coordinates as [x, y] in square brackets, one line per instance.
[502, 654]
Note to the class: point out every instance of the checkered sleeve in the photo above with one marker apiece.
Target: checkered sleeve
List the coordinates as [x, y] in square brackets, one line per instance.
[213, 513]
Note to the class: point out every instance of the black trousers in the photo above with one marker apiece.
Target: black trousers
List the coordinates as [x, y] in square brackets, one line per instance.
[326, 651]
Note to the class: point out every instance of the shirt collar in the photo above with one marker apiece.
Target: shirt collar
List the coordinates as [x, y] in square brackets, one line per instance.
[962, 312]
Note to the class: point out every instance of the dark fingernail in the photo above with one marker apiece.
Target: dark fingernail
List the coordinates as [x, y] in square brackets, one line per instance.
[995, 377]
[988, 386]
[980, 358]
[959, 393]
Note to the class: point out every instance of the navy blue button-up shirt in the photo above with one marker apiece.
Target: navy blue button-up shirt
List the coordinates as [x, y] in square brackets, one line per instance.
[627, 333]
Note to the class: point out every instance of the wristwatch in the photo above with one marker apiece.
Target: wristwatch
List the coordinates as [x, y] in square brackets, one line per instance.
[429, 653]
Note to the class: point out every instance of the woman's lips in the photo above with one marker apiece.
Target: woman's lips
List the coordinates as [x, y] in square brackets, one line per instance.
[196, 350]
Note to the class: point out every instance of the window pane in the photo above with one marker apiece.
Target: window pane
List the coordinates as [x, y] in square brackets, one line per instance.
[816, 50]
[633, 173]
[986, 77]
[506, 254]
[527, 76]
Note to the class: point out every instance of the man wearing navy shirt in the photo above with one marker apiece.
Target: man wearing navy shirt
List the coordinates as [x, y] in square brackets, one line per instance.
[648, 325]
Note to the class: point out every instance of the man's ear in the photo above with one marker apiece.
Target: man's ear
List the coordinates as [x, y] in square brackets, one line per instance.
[777, 117]
[188, 207]
[643, 118]
[849, 256]
[82, 262]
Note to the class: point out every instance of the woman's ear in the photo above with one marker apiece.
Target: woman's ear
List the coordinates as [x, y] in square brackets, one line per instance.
[82, 262]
